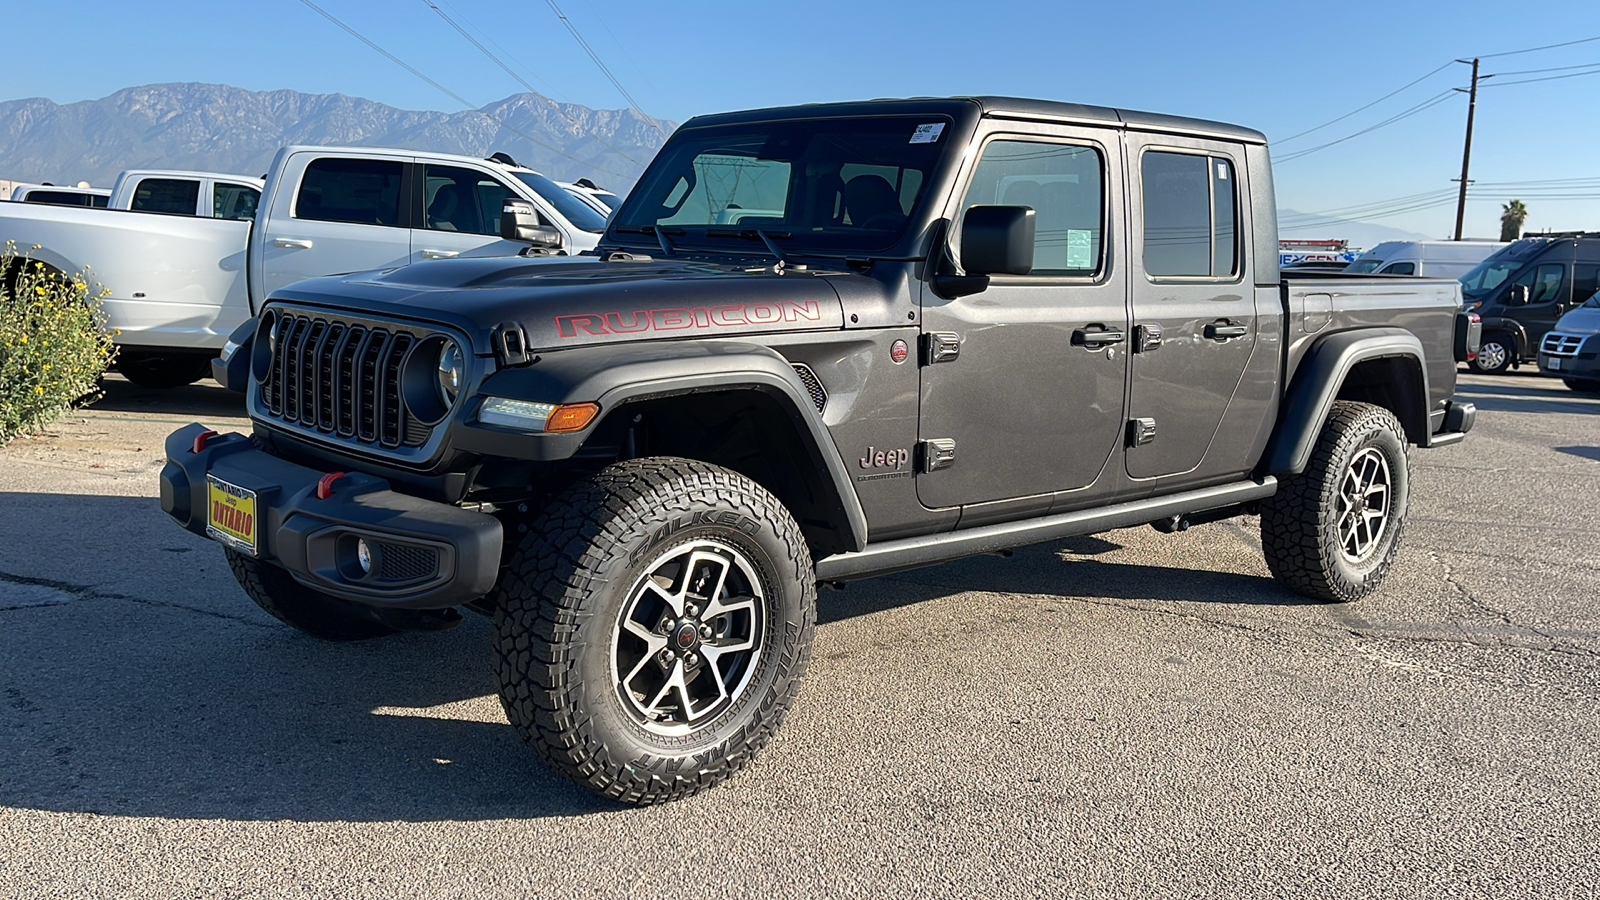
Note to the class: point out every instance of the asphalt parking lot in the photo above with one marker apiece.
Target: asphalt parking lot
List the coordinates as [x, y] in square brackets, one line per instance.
[1125, 715]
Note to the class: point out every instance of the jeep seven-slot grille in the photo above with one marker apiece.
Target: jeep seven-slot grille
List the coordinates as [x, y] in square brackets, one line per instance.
[342, 379]
[1558, 344]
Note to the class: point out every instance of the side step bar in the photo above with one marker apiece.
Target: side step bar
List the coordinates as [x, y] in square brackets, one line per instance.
[910, 553]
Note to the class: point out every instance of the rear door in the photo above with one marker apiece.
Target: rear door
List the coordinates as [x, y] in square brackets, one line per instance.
[344, 214]
[1027, 392]
[1194, 315]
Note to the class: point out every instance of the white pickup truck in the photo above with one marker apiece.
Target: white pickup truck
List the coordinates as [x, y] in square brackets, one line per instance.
[61, 195]
[179, 284]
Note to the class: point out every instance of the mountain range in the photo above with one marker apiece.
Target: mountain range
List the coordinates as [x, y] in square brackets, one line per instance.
[218, 128]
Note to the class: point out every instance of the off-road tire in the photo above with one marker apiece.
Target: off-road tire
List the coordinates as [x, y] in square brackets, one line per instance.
[1500, 361]
[1300, 533]
[308, 610]
[157, 371]
[560, 606]
[1582, 385]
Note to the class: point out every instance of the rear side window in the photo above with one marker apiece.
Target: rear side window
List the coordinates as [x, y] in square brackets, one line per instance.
[358, 191]
[1061, 183]
[64, 198]
[1400, 268]
[176, 196]
[1191, 216]
[234, 201]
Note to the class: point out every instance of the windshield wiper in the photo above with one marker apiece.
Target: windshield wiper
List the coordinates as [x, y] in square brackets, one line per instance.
[660, 233]
[770, 238]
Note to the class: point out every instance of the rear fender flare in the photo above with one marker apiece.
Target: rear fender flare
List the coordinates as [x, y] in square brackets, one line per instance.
[1320, 377]
[616, 375]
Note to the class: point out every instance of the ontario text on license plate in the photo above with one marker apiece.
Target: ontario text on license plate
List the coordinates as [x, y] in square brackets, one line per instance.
[231, 515]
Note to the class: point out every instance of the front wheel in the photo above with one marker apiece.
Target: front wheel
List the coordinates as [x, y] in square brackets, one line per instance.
[1495, 354]
[1332, 531]
[654, 627]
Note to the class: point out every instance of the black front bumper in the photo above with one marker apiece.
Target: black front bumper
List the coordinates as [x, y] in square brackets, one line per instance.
[423, 554]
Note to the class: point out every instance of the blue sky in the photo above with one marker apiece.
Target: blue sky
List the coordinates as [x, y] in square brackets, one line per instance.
[1281, 68]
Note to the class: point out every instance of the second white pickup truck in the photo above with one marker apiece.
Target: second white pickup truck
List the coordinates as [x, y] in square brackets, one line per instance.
[184, 268]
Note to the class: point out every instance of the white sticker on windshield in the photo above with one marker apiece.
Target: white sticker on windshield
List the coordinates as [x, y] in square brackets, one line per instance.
[927, 134]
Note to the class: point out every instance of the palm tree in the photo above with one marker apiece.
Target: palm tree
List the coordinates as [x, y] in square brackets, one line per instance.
[1512, 215]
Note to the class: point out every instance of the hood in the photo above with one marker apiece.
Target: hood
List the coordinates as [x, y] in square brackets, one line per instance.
[1583, 320]
[581, 301]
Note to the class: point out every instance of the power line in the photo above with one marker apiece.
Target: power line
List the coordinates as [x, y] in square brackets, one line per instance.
[497, 61]
[632, 103]
[1435, 100]
[1369, 105]
[1587, 40]
[1594, 71]
[466, 105]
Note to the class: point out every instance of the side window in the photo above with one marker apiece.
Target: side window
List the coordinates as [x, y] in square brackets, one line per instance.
[359, 191]
[1191, 216]
[1062, 184]
[1401, 268]
[1585, 281]
[1543, 282]
[234, 201]
[177, 196]
[463, 200]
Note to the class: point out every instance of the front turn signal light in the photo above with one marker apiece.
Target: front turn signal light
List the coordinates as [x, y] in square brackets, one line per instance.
[572, 417]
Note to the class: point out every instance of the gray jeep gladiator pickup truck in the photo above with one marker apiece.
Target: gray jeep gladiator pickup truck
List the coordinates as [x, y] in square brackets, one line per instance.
[815, 344]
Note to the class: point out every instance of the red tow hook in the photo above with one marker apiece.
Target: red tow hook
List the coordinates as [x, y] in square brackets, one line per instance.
[201, 438]
[325, 484]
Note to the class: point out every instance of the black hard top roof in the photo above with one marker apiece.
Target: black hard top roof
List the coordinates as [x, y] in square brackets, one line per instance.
[998, 107]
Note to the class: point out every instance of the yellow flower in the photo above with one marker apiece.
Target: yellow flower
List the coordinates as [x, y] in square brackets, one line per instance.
[38, 389]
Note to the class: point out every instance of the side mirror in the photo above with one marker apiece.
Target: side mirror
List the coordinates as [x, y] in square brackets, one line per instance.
[1519, 295]
[995, 240]
[519, 222]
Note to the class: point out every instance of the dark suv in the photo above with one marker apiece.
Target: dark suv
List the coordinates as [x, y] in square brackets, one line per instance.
[1522, 290]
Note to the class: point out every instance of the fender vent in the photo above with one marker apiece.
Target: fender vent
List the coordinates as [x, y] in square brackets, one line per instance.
[819, 397]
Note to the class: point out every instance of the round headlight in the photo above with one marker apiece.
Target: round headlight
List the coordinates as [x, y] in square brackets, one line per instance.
[449, 372]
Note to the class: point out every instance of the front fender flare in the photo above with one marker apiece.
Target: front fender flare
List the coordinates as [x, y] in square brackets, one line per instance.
[1519, 334]
[616, 375]
[1316, 385]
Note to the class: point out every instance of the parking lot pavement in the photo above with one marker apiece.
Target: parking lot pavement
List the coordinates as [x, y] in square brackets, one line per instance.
[1129, 714]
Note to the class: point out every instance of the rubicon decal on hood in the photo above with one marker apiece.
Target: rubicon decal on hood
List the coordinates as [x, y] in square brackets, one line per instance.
[677, 318]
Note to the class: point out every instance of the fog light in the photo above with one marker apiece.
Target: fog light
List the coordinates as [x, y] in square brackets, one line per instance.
[363, 556]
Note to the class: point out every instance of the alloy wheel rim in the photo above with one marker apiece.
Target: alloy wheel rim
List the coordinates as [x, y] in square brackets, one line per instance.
[1491, 356]
[1366, 496]
[689, 637]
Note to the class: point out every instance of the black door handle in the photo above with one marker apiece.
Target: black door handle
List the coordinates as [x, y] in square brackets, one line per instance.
[1096, 336]
[1223, 332]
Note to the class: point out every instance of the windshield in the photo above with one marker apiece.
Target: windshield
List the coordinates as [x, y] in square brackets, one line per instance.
[1364, 265]
[579, 213]
[834, 185]
[1593, 302]
[1493, 272]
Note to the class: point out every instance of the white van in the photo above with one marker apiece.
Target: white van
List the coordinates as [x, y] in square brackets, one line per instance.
[1432, 259]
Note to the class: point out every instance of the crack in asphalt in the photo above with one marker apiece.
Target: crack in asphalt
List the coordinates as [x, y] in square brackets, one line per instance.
[86, 592]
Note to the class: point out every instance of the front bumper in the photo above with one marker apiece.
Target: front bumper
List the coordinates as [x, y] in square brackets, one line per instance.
[426, 555]
[1577, 355]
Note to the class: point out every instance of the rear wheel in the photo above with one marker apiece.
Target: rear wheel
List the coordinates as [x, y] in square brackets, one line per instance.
[162, 370]
[1332, 531]
[653, 628]
[1495, 354]
[1583, 385]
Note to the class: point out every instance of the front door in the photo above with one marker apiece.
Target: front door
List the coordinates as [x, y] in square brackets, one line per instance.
[1029, 397]
[1193, 306]
[461, 214]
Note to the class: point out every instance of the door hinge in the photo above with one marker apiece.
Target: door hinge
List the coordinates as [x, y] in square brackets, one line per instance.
[1146, 338]
[937, 453]
[940, 346]
[1141, 432]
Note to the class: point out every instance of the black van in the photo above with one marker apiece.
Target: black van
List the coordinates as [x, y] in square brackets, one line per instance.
[1523, 289]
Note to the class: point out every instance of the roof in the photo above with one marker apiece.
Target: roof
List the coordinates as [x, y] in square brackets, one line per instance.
[995, 107]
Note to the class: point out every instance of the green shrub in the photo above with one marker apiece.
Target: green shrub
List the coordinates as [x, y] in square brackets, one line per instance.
[53, 343]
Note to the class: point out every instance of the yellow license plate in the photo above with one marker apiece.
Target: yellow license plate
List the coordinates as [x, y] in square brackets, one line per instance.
[231, 515]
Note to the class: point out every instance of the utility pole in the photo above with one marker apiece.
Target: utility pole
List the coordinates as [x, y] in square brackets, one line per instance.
[1466, 149]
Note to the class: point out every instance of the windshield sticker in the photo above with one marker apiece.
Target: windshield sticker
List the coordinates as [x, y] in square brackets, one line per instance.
[927, 134]
[1078, 255]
